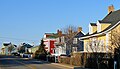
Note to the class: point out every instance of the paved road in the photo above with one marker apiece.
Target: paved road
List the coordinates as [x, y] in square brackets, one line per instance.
[11, 62]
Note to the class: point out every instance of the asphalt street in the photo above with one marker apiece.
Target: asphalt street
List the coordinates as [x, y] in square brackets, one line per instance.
[11, 62]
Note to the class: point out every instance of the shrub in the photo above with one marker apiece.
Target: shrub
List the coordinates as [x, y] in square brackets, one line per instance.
[72, 60]
[88, 60]
[42, 57]
[51, 58]
[65, 60]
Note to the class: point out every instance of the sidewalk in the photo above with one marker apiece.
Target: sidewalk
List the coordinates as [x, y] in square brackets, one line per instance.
[65, 65]
[69, 66]
[59, 64]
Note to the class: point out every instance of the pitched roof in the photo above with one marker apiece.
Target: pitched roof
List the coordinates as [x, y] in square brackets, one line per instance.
[51, 35]
[6, 44]
[112, 18]
[100, 21]
[78, 35]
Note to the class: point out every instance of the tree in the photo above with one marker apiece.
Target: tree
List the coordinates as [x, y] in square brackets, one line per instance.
[96, 52]
[10, 48]
[42, 48]
[41, 52]
[69, 31]
[115, 40]
[115, 45]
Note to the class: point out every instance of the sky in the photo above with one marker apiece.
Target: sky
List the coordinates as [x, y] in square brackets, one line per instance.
[28, 20]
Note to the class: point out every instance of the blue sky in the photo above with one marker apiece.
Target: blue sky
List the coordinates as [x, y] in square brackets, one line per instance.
[29, 19]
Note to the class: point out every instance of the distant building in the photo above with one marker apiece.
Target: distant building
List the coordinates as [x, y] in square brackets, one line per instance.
[33, 49]
[5, 48]
[23, 48]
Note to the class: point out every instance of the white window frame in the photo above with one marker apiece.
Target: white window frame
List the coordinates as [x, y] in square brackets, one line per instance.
[75, 41]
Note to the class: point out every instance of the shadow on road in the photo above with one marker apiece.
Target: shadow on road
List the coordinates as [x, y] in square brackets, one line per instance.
[12, 61]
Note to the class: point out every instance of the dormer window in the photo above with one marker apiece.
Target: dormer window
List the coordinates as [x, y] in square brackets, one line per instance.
[98, 27]
[102, 25]
[92, 28]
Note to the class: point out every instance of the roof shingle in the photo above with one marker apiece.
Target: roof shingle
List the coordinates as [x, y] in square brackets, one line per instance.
[112, 17]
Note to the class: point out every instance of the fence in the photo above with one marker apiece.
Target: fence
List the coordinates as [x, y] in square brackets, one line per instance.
[89, 60]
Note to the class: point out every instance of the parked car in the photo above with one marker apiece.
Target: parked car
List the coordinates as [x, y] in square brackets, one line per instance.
[15, 54]
[27, 56]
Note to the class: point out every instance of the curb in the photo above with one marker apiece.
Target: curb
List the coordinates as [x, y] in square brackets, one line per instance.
[67, 66]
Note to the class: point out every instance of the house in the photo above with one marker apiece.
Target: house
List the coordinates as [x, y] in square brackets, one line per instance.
[33, 49]
[66, 45]
[77, 44]
[73, 44]
[98, 39]
[3, 50]
[60, 47]
[49, 41]
[23, 48]
[8, 48]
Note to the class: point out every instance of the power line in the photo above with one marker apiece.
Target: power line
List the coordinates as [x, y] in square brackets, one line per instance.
[17, 39]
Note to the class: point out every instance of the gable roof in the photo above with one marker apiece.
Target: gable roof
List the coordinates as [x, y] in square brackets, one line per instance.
[78, 35]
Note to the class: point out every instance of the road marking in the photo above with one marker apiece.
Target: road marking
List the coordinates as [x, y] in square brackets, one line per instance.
[30, 66]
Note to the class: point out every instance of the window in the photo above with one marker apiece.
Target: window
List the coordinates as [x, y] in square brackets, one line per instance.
[74, 49]
[101, 45]
[75, 41]
[58, 40]
[62, 39]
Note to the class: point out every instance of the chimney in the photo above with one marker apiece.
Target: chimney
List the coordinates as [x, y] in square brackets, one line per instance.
[79, 29]
[59, 33]
[110, 8]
